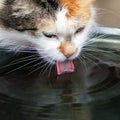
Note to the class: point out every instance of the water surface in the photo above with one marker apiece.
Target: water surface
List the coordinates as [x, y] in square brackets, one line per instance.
[86, 94]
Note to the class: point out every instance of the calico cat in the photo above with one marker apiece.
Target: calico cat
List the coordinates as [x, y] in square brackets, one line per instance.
[57, 29]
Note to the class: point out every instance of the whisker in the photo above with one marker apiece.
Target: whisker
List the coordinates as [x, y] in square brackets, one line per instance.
[90, 58]
[47, 67]
[23, 58]
[17, 63]
[18, 51]
[96, 50]
[51, 65]
[95, 39]
[82, 60]
[43, 67]
[106, 11]
[37, 64]
[39, 67]
[22, 66]
[103, 51]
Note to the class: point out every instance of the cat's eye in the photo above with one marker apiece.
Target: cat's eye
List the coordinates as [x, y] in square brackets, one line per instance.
[79, 30]
[50, 35]
[27, 29]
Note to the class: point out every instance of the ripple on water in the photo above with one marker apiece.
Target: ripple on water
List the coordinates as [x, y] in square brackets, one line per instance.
[84, 95]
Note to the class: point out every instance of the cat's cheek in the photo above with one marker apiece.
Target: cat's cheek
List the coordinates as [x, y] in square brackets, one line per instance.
[48, 50]
[79, 41]
[56, 55]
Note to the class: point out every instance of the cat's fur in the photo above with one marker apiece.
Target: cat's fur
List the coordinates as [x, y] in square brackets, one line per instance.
[57, 29]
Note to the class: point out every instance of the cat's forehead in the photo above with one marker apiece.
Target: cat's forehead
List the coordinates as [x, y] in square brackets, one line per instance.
[73, 7]
[72, 16]
[61, 15]
[63, 25]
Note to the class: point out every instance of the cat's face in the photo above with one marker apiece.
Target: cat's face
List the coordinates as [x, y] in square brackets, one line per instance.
[56, 29]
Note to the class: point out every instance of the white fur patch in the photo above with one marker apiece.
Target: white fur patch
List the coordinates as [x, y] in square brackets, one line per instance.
[63, 25]
[14, 40]
[47, 47]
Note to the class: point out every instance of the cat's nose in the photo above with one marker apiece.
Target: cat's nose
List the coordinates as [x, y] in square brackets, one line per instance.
[68, 49]
[69, 54]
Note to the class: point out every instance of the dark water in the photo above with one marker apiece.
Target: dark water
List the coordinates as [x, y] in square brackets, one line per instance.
[91, 94]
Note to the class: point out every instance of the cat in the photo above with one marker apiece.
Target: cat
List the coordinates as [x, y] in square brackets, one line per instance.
[57, 29]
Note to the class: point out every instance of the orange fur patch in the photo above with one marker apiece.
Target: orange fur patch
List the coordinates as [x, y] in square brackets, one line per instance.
[73, 7]
[67, 48]
[77, 7]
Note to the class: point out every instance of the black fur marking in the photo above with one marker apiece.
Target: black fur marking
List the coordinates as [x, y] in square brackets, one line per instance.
[27, 22]
[50, 5]
[21, 24]
[9, 1]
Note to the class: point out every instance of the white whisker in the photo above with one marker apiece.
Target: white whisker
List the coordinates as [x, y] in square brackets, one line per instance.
[23, 66]
[83, 62]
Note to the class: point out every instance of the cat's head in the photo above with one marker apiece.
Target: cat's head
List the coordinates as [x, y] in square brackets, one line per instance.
[57, 29]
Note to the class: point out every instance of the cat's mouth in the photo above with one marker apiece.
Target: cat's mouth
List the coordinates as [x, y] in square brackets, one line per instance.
[66, 66]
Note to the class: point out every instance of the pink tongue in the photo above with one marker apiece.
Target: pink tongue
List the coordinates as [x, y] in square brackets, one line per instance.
[65, 67]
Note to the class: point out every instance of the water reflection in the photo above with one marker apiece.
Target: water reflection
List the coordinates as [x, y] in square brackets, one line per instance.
[91, 94]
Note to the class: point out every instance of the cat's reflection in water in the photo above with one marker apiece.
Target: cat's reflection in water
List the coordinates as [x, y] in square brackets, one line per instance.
[54, 97]
[33, 87]
[39, 96]
[44, 88]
